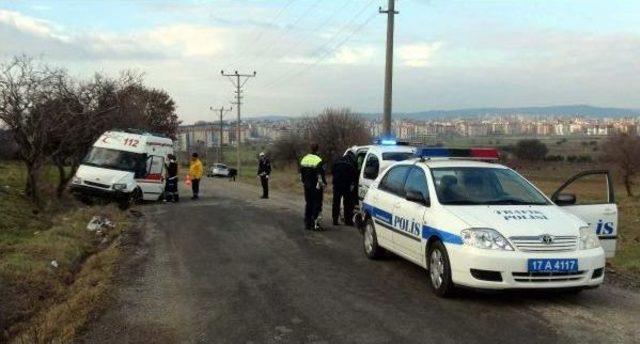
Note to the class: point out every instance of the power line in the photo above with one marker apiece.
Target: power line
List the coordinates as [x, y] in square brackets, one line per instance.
[221, 110]
[323, 56]
[327, 43]
[272, 42]
[237, 80]
[326, 21]
[261, 32]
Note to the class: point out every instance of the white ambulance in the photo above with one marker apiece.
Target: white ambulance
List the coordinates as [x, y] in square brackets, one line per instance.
[477, 224]
[124, 166]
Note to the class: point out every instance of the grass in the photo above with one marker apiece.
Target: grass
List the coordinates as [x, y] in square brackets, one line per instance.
[40, 302]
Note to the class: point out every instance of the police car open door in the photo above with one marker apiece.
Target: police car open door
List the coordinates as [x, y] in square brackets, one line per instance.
[589, 195]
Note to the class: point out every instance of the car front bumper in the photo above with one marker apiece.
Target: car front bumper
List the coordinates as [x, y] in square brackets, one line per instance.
[91, 191]
[469, 266]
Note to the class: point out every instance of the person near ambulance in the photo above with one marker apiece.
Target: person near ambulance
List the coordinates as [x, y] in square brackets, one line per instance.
[171, 186]
[345, 181]
[264, 171]
[313, 179]
[195, 172]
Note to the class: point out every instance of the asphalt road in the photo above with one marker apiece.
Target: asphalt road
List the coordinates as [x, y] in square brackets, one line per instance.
[232, 268]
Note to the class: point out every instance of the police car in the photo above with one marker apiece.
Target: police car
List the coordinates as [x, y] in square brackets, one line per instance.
[374, 159]
[473, 223]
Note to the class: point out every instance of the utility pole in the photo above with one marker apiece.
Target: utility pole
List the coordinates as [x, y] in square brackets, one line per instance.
[388, 73]
[222, 110]
[236, 79]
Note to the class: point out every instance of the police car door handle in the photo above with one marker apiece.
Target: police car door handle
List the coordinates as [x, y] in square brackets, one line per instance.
[610, 212]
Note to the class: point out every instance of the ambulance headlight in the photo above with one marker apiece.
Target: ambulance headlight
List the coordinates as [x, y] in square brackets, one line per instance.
[119, 187]
[588, 239]
[76, 180]
[486, 238]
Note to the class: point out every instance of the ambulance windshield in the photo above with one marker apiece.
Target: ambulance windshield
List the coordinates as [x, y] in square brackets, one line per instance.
[484, 186]
[115, 159]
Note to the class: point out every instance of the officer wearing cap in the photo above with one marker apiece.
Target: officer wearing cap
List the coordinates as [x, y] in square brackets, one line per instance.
[313, 179]
[264, 170]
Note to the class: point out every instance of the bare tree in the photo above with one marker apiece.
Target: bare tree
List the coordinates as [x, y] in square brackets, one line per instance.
[26, 89]
[335, 130]
[624, 152]
[290, 147]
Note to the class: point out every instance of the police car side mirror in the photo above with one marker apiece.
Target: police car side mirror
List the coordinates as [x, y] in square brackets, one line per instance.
[417, 197]
[565, 199]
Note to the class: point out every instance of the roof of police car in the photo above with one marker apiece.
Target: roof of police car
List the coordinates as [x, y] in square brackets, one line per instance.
[447, 162]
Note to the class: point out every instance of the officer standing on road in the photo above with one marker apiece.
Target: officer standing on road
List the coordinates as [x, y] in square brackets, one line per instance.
[171, 187]
[195, 172]
[345, 176]
[313, 179]
[264, 170]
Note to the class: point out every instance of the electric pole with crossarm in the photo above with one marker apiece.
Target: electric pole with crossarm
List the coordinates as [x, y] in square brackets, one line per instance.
[388, 73]
[222, 110]
[236, 79]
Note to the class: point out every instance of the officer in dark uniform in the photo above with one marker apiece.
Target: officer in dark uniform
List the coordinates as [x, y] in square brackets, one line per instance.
[264, 170]
[313, 179]
[171, 186]
[345, 178]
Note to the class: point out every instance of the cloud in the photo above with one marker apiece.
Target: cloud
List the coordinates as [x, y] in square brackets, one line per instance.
[418, 54]
[38, 27]
[40, 37]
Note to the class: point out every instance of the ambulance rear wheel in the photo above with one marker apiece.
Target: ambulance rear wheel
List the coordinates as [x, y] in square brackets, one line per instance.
[439, 270]
[371, 248]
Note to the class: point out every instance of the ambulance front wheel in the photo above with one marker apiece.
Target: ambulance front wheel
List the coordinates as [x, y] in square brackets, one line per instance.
[134, 198]
[439, 270]
[371, 248]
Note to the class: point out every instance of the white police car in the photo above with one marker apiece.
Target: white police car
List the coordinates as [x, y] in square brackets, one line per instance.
[477, 224]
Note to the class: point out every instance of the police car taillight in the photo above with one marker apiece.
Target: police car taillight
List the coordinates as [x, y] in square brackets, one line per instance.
[471, 153]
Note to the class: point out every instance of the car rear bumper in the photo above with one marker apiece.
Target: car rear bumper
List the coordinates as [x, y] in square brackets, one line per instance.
[486, 269]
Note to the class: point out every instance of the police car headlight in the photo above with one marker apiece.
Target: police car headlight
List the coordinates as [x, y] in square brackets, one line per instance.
[485, 238]
[119, 187]
[76, 180]
[588, 239]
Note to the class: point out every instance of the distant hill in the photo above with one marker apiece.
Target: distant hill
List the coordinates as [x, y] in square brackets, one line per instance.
[533, 111]
[546, 111]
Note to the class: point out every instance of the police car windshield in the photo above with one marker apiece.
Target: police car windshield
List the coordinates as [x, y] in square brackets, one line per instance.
[115, 159]
[484, 186]
[397, 156]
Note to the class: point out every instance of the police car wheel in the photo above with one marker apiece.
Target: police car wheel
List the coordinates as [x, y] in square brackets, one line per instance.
[370, 241]
[439, 270]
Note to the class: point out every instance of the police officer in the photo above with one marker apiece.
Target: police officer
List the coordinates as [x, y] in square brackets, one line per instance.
[264, 170]
[171, 186]
[345, 175]
[313, 179]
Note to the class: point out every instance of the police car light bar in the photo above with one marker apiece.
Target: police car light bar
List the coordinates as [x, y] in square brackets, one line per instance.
[390, 141]
[459, 153]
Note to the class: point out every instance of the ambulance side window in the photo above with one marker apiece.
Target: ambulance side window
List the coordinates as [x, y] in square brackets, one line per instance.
[155, 164]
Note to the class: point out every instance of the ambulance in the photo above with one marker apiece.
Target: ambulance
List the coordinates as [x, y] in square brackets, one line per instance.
[124, 166]
[471, 222]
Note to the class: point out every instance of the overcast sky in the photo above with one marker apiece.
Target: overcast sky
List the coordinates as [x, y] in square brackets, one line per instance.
[310, 54]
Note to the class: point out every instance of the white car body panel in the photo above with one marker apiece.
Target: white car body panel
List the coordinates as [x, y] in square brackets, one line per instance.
[405, 228]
